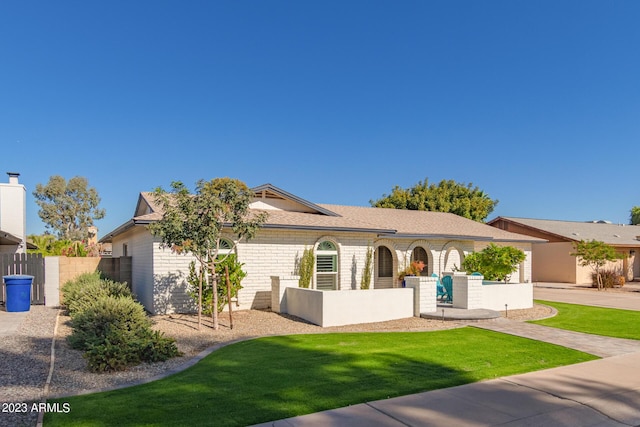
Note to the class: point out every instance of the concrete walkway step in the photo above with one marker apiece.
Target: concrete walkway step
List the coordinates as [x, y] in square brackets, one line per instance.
[593, 344]
[450, 313]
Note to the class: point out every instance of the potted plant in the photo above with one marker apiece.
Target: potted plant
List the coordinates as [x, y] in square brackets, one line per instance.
[414, 269]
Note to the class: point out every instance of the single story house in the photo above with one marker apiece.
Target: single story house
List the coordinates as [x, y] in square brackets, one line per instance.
[552, 261]
[340, 236]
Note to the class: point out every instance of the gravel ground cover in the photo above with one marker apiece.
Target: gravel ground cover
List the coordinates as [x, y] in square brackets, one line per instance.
[25, 357]
[24, 366]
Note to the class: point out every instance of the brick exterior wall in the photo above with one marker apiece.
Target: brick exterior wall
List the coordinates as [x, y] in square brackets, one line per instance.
[159, 276]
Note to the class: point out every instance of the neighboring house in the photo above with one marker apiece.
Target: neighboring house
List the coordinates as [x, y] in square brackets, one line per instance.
[552, 261]
[13, 216]
[340, 236]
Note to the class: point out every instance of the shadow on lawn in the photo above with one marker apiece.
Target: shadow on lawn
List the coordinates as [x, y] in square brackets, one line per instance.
[265, 379]
[273, 378]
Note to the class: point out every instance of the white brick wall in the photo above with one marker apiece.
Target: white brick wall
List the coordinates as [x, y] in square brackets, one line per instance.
[159, 276]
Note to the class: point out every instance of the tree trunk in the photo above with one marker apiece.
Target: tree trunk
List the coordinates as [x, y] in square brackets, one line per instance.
[226, 273]
[214, 301]
[200, 299]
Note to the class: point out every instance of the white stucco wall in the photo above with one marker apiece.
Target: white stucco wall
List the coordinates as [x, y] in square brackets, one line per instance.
[334, 308]
[13, 218]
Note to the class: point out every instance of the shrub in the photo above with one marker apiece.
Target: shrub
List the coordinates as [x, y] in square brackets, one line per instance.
[115, 354]
[236, 274]
[118, 319]
[494, 262]
[307, 264]
[610, 279]
[80, 293]
[365, 283]
[115, 333]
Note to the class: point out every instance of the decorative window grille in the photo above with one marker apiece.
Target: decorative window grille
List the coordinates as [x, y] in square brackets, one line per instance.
[326, 266]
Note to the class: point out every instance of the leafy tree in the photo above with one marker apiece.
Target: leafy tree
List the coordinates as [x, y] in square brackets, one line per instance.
[194, 223]
[448, 196]
[595, 254]
[635, 215]
[494, 262]
[68, 208]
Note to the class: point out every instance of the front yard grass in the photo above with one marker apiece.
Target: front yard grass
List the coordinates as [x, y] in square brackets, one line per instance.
[278, 377]
[611, 322]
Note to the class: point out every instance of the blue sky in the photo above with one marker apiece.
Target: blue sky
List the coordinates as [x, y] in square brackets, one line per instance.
[535, 102]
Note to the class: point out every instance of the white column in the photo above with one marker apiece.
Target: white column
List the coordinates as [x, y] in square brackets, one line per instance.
[279, 287]
[424, 293]
[51, 281]
[467, 292]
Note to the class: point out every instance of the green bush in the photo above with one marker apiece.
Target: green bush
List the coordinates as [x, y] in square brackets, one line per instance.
[80, 293]
[118, 319]
[610, 279]
[116, 354]
[307, 265]
[115, 333]
[494, 262]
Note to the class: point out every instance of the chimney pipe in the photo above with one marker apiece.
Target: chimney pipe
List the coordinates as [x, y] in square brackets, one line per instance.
[13, 177]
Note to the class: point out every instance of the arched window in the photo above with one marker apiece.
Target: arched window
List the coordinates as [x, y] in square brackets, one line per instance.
[385, 262]
[326, 266]
[225, 247]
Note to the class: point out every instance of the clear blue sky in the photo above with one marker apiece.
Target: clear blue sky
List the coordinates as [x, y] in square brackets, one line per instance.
[535, 102]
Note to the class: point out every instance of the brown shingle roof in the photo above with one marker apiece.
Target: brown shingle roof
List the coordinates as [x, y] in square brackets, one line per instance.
[431, 224]
[382, 221]
[611, 234]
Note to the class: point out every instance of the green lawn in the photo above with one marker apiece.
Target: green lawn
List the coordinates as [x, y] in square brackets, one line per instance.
[278, 377]
[610, 322]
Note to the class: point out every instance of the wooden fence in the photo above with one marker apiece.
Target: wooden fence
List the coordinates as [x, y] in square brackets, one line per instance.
[31, 264]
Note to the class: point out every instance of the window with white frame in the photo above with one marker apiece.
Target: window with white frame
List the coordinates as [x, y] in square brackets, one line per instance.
[326, 266]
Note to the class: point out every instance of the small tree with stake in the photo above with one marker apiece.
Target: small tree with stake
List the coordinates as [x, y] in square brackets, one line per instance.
[595, 254]
[193, 223]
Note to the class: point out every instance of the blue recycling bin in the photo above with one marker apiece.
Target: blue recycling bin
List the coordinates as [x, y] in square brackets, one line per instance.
[18, 292]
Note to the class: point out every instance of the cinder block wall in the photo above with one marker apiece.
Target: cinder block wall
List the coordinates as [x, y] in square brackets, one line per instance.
[70, 268]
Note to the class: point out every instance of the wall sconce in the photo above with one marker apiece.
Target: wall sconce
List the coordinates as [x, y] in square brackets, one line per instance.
[632, 252]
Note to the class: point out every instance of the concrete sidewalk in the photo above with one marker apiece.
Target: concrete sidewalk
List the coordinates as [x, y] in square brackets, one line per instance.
[603, 392]
[10, 321]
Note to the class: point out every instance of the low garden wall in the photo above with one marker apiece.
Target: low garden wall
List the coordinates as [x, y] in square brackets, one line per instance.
[469, 292]
[337, 308]
[515, 295]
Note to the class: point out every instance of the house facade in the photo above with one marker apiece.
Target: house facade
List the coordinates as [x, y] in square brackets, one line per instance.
[339, 235]
[552, 260]
[13, 217]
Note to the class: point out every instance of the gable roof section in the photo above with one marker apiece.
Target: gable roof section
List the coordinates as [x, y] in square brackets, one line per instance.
[573, 231]
[271, 191]
[384, 222]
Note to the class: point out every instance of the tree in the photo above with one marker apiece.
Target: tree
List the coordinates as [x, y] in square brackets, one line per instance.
[448, 196]
[494, 262]
[194, 223]
[595, 254]
[68, 208]
[635, 215]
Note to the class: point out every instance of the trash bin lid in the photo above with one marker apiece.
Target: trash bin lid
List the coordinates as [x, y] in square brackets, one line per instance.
[18, 276]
